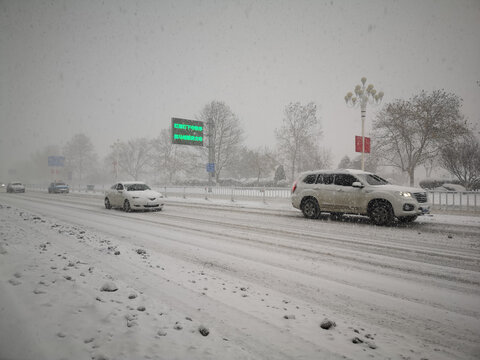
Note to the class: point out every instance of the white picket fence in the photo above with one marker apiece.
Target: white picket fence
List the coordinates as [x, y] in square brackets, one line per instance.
[465, 201]
[462, 201]
[440, 200]
[455, 200]
[225, 192]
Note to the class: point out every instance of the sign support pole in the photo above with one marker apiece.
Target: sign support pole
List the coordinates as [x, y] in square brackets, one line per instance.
[211, 153]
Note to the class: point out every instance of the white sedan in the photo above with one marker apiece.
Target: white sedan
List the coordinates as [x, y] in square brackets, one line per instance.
[15, 187]
[133, 195]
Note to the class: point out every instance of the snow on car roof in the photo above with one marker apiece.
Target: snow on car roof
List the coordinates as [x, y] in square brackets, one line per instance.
[337, 171]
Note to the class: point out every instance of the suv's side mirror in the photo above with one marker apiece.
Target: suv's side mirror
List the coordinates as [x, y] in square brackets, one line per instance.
[357, 184]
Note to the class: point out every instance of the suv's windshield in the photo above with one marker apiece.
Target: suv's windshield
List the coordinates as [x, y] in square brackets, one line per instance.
[137, 187]
[375, 180]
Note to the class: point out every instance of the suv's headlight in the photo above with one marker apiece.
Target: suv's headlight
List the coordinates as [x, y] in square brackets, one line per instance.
[405, 194]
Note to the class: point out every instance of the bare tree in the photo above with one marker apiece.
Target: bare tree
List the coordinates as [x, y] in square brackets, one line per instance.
[300, 127]
[371, 163]
[344, 163]
[462, 159]
[279, 174]
[261, 162]
[408, 133]
[430, 165]
[132, 157]
[79, 155]
[227, 134]
[254, 163]
[35, 169]
[167, 159]
[315, 157]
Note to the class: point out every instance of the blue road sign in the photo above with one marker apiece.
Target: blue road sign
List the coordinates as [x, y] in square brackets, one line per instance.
[56, 161]
[211, 167]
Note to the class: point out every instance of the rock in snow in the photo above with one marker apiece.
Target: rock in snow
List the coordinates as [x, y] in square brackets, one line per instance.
[203, 330]
[327, 324]
[109, 286]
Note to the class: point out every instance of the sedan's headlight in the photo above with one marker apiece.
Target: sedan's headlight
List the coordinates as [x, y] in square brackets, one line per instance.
[405, 194]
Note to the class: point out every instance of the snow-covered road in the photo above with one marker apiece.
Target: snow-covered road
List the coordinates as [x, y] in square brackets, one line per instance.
[261, 279]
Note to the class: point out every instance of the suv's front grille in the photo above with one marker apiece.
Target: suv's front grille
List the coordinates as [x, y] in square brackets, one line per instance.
[421, 197]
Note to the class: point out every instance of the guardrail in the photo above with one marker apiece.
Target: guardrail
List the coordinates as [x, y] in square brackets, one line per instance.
[448, 200]
[455, 200]
[440, 200]
[226, 192]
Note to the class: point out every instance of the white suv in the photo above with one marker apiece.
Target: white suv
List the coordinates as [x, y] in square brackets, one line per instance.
[357, 192]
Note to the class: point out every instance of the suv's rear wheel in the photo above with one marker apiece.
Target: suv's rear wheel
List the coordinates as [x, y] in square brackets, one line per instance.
[381, 213]
[310, 208]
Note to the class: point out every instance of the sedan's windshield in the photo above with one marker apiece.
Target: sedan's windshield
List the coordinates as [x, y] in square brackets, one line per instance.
[137, 187]
[375, 180]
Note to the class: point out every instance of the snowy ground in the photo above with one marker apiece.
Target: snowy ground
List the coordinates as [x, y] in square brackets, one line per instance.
[221, 280]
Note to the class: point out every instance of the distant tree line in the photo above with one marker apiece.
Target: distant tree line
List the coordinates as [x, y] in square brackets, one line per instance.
[158, 160]
[426, 130]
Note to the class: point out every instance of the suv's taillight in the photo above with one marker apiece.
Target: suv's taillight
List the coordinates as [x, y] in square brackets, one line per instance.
[294, 187]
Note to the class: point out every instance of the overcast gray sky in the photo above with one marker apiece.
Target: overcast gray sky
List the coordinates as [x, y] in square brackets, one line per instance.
[118, 69]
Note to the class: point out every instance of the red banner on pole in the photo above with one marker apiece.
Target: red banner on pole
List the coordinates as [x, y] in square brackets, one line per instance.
[358, 144]
[366, 145]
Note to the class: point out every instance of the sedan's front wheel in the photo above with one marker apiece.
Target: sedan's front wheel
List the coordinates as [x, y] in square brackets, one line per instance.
[126, 206]
[107, 204]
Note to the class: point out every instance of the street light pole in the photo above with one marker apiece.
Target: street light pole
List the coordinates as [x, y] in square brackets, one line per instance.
[364, 95]
[363, 111]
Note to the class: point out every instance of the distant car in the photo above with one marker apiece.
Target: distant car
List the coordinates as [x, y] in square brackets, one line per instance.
[58, 187]
[15, 187]
[133, 195]
[357, 192]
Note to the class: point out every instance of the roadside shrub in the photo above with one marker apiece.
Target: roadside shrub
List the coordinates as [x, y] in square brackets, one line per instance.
[431, 184]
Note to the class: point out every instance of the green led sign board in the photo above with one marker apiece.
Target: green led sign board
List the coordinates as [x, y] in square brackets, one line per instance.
[187, 132]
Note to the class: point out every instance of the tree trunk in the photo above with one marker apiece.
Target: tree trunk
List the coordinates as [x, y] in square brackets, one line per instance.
[411, 174]
[293, 169]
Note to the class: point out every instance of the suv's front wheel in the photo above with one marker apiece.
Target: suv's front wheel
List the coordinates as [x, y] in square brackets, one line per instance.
[381, 213]
[310, 208]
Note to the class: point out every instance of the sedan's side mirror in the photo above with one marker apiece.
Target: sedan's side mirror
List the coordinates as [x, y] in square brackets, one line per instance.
[357, 184]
